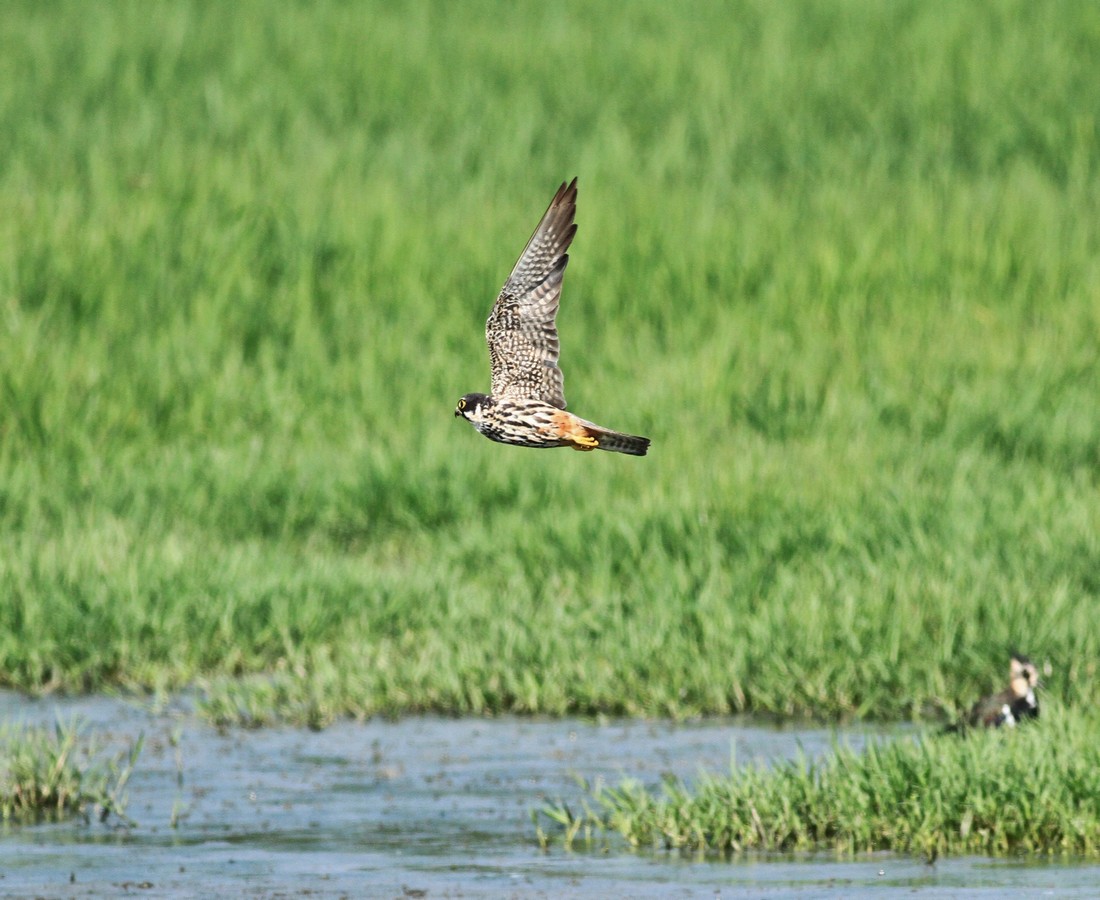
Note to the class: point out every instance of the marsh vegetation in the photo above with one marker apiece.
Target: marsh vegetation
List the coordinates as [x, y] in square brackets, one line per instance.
[51, 774]
[990, 792]
[841, 261]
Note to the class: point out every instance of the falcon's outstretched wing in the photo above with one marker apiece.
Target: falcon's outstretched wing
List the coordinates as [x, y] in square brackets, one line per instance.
[522, 336]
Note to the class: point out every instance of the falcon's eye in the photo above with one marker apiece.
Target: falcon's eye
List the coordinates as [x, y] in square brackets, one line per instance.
[462, 403]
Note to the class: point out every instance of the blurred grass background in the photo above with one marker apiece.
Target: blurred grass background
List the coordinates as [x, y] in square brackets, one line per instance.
[839, 260]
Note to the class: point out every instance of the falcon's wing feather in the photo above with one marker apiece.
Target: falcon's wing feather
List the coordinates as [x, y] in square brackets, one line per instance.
[522, 335]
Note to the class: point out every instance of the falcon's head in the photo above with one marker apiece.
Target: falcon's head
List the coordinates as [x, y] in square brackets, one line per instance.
[472, 406]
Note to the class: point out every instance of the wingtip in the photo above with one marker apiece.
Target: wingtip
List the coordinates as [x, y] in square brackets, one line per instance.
[566, 192]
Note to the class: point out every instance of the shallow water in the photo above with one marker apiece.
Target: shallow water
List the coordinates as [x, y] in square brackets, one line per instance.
[440, 806]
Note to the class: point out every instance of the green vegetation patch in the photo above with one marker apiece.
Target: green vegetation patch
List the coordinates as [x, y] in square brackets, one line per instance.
[1035, 790]
[54, 774]
[839, 259]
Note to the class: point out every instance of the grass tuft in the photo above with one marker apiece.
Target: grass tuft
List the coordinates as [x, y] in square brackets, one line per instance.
[55, 774]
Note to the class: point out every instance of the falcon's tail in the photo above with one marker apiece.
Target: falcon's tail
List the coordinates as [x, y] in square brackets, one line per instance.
[616, 441]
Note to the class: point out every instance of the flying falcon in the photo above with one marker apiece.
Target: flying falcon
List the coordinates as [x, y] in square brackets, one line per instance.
[526, 406]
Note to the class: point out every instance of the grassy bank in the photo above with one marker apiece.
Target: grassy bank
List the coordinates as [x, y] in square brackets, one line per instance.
[840, 262]
[1033, 791]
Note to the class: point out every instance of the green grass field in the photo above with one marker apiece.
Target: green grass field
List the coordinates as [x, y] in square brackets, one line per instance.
[839, 260]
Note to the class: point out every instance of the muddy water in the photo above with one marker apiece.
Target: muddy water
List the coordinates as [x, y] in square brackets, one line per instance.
[439, 806]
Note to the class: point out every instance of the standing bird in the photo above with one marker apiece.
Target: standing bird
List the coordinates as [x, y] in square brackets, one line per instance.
[1012, 705]
[526, 406]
